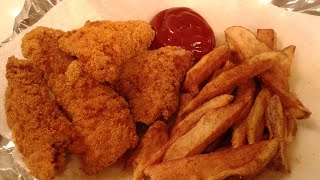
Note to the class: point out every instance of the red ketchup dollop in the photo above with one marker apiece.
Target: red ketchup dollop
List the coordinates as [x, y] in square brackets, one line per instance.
[183, 27]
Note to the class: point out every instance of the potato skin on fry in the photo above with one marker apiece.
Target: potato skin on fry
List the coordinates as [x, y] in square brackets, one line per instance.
[276, 125]
[247, 160]
[244, 42]
[204, 68]
[246, 90]
[156, 136]
[255, 119]
[235, 76]
[192, 118]
[211, 126]
[267, 36]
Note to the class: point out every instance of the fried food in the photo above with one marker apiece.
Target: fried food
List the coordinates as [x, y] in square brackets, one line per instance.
[290, 102]
[205, 67]
[210, 127]
[100, 116]
[291, 127]
[191, 119]
[244, 42]
[277, 125]
[39, 129]
[156, 136]
[247, 161]
[246, 45]
[255, 119]
[41, 46]
[102, 46]
[185, 98]
[151, 81]
[245, 91]
[267, 36]
[229, 79]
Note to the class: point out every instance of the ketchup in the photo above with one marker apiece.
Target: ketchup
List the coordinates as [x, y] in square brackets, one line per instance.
[183, 27]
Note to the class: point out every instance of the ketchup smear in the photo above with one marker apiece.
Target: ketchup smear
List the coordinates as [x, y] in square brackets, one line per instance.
[183, 27]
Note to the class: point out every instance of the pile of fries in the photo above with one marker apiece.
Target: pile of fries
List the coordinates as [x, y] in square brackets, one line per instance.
[242, 89]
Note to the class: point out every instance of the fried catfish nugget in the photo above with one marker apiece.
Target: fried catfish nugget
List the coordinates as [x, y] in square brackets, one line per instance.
[39, 129]
[42, 47]
[101, 46]
[151, 82]
[100, 116]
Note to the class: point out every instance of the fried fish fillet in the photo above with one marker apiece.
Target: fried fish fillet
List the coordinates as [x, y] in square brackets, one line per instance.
[151, 81]
[101, 118]
[42, 47]
[101, 46]
[39, 129]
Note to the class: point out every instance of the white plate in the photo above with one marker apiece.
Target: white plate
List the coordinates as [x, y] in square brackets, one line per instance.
[292, 28]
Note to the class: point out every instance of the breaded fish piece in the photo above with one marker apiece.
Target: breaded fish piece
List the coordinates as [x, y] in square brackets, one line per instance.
[151, 81]
[42, 47]
[101, 118]
[39, 129]
[101, 46]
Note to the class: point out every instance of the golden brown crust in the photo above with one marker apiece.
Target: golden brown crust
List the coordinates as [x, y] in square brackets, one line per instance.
[101, 46]
[41, 46]
[40, 130]
[99, 115]
[151, 82]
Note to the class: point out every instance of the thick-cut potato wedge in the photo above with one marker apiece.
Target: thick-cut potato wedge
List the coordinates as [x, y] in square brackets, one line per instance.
[280, 73]
[235, 76]
[255, 119]
[291, 127]
[289, 101]
[192, 118]
[285, 65]
[185, 98]
[227, 66]
[156, 136]
[184, 127]
[244, 42]
[276, 125]
[211, 126]
[267, 36]
[204, 68]
[247, 161]
[245, 90]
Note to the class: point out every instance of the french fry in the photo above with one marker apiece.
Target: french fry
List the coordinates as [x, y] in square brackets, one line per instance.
[227, 66]
[204, 68]
[276, 125]
[246, 161]
[255, 119]
[267, 36]
[235, 76]
[290, 102]
[244, 42]
[211, 126]
[246, 90]
[285, 65]
[291, 127]
[185, 98]
[184, 127]
[186, 124]
[156, 136]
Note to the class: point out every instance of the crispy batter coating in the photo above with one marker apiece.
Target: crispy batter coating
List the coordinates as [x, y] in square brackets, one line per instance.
[151, 82]
[101, 46]
[42, 47]
[40, 130]
[99, 115]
